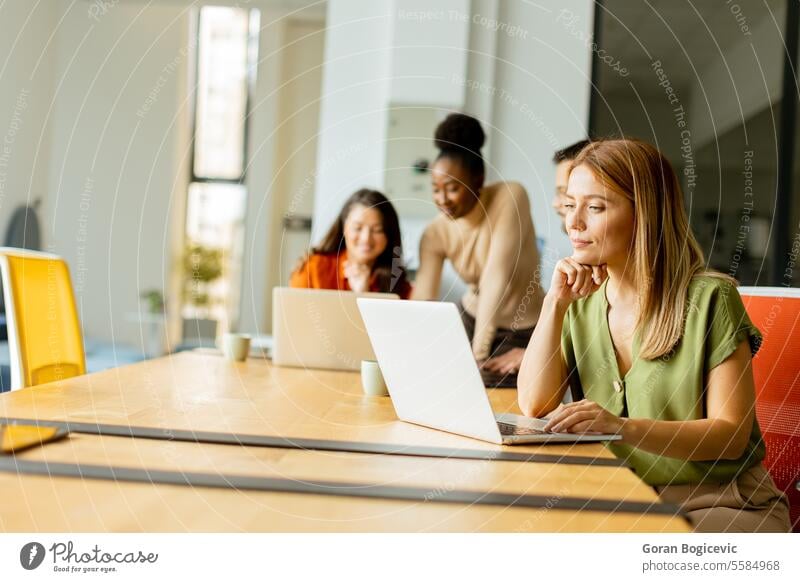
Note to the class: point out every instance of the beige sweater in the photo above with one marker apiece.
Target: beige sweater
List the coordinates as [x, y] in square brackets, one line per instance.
[493, 249]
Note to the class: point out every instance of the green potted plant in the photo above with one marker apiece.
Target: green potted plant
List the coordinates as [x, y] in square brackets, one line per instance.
[152, 318]
[154, 299]
[202, 265]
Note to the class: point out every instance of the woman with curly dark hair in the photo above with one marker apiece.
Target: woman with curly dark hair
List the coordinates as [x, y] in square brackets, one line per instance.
[486, 231]
[361, 252]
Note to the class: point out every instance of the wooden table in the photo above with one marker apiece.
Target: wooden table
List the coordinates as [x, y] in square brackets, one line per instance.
[205, 392]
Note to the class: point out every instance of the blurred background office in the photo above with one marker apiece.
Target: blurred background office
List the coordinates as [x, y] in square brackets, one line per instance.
[182, 155]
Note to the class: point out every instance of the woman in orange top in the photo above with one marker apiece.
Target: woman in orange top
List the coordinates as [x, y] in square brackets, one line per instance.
[361, 252]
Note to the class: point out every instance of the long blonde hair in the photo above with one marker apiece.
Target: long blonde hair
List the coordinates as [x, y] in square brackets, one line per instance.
[666, 255]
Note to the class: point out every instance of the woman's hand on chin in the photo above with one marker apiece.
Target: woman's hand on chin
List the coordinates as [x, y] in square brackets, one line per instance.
[357, 275]
[573, 280]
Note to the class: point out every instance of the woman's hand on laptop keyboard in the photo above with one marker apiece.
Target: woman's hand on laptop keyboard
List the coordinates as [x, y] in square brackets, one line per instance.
[583, 417]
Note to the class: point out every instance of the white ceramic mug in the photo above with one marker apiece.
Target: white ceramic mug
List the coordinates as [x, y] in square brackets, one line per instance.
[372, 380]
[236, 346]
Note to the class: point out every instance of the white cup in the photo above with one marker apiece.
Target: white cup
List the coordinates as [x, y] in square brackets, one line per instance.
[372, 380]
[236, 346]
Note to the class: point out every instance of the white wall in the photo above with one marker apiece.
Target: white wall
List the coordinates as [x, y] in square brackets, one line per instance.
[296, 154]
[482, 64]
[541, 103]
[26, 81]
[115, 168]
[410, 138]
[428, 49]
[355, 94]
[259, 251]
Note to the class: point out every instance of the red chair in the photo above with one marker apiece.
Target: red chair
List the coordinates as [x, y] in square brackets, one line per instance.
[775, 311]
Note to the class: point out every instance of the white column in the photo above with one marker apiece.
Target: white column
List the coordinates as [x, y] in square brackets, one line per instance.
[353, 111]
[256, 294]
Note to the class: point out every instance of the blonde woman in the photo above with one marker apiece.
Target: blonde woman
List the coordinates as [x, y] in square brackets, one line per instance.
[660, 347]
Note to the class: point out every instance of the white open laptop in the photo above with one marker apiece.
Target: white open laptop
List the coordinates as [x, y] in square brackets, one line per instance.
[316, 328]
[433, 379]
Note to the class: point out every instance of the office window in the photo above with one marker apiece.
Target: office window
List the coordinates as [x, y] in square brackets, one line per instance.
[703, 82]
[227, 41]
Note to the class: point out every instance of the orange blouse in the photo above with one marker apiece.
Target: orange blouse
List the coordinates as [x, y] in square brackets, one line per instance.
[326, 271]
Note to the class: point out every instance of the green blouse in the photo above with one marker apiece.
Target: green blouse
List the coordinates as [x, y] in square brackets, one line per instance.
[671, 387]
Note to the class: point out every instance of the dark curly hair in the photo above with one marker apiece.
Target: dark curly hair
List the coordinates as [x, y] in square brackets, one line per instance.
[389, 269]
[460, 137]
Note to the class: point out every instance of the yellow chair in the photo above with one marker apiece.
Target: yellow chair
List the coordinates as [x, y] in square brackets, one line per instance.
[44, 335]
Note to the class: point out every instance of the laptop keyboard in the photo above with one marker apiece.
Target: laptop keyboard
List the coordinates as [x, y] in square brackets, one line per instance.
[514, 430]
